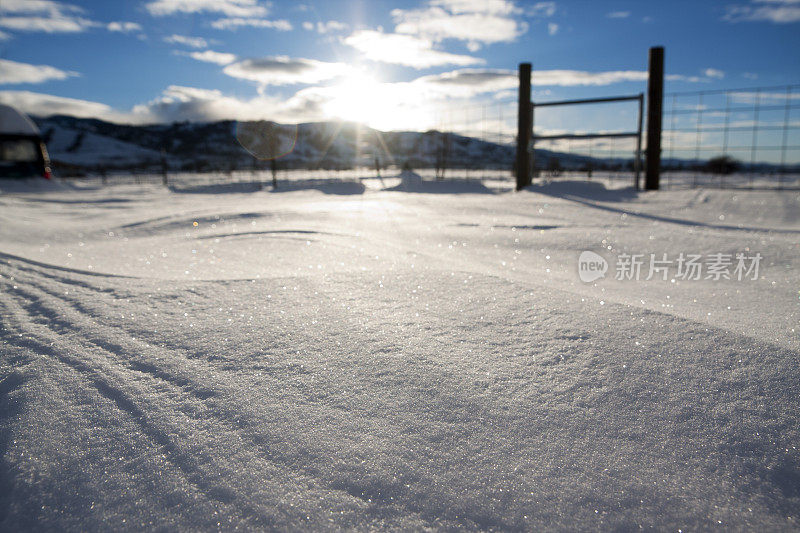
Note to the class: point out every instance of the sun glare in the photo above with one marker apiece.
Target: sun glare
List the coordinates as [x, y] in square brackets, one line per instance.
[362, 98]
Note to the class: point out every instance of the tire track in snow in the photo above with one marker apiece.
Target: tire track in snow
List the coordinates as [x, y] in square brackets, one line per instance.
[7, 257]
[362, 491]
[45, 298]
[40, 271]
[47, 342]
[67, 328]
[223, 417]
[109, 384]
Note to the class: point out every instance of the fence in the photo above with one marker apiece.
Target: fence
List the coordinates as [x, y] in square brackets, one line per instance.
[461, 142]
[345, 181]
[731, 138]
[526, 136]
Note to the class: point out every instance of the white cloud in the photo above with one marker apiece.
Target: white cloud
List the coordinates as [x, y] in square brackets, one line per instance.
[775, 11]
[179, 103]
[404, 50]
[123, 27]
[236, 23]
[552, 28]
[465, 83]
[497, 7]
[541, 9]
[42, 7]
[708, 76]
[476, 81]
[282, 70]
[231, 8]
[12, 72]
[308, 25]
[43, 16]
[210, 56]
[47, 24]
[687, 79]
[570, 78]
[4, 36]
[619, 14]
[750, 75]
[466, 20]
[45, 105]
[416, 105]
[191, 42]
[330, 26]
[176, 103]
[749, 97]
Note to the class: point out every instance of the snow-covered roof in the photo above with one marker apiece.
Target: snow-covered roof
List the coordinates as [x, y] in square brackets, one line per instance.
[12, 122]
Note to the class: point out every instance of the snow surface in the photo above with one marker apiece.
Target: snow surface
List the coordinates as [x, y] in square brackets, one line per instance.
[395, 354]
[12, 122]
[90, 148]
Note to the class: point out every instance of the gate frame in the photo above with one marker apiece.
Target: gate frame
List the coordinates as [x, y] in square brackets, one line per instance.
[526, 140]
[637, 163]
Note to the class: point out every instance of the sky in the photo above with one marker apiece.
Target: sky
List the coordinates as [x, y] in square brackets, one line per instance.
[393, 65]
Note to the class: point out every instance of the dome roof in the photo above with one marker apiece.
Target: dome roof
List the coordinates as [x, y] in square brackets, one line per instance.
[12, 122]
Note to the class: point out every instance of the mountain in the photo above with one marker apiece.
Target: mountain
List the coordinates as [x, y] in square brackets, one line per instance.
[79, 145]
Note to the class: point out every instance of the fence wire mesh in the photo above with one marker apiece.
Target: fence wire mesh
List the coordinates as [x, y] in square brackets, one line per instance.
[747, 137]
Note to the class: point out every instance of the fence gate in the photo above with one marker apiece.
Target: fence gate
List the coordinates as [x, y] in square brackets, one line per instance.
[526, 139]
[637, 163]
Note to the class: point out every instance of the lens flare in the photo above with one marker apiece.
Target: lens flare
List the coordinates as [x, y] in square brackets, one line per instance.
[266, 140]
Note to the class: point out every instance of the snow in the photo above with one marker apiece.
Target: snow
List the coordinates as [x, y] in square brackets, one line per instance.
[12, 122]
[393, 354]
[80, 147]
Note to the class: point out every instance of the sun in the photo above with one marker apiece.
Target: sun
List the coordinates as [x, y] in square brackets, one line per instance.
[362, 98]
[359, 98]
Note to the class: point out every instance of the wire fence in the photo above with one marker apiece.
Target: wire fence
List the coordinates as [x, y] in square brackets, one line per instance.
[472, 142]
[747, 137]
[345, 181]
[733, 138]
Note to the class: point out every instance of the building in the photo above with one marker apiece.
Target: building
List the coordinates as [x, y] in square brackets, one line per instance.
[22, 150]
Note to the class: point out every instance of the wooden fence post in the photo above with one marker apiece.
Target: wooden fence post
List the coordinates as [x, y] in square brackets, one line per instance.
[524, 127]
[655, 102]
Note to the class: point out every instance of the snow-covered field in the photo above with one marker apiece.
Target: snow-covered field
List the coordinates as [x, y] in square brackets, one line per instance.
[334, 356]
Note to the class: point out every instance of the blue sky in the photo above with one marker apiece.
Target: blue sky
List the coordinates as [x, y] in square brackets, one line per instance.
[394, 65]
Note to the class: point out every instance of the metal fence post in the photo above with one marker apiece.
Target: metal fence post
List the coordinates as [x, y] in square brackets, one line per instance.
[725, 134]
[754, 145]
[637, 164]
[524, 127]
[784, 144]
[698, 138]
[655, 101]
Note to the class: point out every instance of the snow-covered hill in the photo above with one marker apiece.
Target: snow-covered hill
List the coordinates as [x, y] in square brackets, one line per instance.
[89, 145]
[93, 145]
